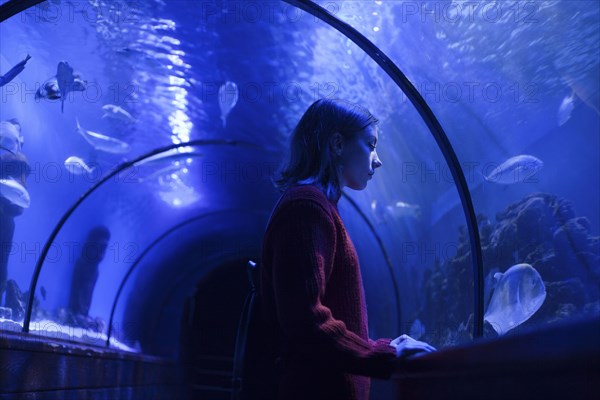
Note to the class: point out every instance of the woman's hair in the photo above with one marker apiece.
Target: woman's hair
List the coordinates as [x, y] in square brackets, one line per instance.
[311, 160]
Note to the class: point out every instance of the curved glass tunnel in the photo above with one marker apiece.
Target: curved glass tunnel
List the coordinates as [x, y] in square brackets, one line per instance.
[151, 261]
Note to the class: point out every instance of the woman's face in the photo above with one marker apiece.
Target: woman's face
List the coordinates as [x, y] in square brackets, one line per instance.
[359, 159]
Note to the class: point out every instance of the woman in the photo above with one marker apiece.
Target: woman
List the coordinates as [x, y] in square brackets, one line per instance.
[311, 293]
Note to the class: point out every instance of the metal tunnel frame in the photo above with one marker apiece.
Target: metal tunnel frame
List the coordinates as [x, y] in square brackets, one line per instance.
[13, 7]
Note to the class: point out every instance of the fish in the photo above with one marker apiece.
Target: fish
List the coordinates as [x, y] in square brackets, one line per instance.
[14, 192]
[515, 169]
[565, 109]
[14, 71]
[396, 210]
[103, 143]
[65, 80]
[518, 294]
[77, 166]
[51, 91]
[78, 84]
[115, 112]
[228, 98]
[10, 136]
[48, 90]
[401, 209]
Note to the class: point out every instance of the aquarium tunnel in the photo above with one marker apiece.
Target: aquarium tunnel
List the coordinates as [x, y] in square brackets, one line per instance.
[139, 140]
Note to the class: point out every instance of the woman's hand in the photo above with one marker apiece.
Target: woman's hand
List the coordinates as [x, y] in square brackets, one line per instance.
[406, 346]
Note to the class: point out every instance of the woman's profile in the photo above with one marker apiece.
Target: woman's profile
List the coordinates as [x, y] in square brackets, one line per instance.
[312, 305]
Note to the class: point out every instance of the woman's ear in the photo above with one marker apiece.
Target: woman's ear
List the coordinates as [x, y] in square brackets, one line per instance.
[336, 143]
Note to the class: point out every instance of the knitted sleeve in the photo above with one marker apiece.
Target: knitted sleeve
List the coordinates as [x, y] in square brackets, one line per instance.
[303, 246]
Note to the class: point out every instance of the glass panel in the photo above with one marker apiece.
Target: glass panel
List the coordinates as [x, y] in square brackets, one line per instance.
[115, 225]
[76, 111]
[516, 87]
[104, 236]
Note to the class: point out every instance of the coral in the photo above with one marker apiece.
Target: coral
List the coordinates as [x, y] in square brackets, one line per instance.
[540, 229]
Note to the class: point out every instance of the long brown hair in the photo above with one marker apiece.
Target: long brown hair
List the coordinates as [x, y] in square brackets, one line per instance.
[311, 160]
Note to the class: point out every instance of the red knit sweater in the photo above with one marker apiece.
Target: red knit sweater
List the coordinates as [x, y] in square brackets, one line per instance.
[313, 299]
